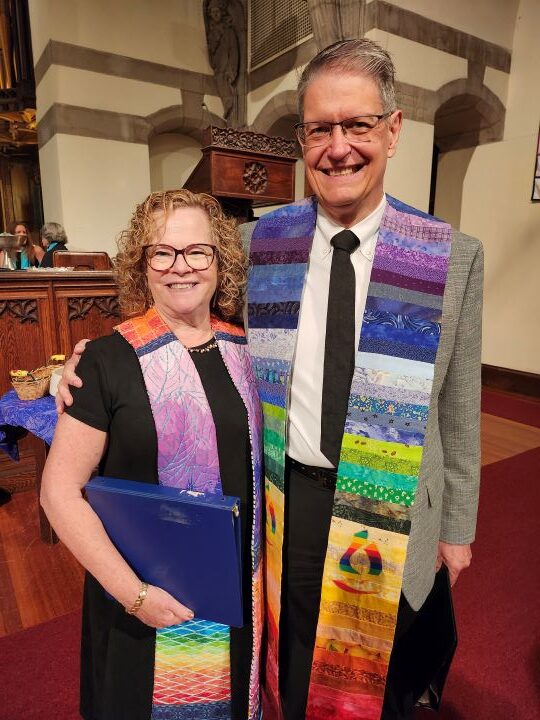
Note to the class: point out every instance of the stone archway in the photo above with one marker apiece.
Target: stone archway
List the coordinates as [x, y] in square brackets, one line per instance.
[174, 143]
[278, 112]
[466, 114]
[284, 127]
[182, 119]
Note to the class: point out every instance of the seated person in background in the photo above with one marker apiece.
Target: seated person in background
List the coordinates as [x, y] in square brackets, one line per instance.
[54, 239]
[168, 398]
[31, 255]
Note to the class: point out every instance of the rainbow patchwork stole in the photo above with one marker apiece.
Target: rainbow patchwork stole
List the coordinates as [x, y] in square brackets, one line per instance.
[382, 444]
[192, 660]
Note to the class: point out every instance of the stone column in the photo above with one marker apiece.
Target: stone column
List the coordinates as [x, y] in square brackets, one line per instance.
[334, 20]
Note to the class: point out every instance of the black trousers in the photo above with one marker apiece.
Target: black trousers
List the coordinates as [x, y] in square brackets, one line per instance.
[308, 514]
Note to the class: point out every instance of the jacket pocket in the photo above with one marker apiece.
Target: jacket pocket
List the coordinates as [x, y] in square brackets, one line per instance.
[429, 500]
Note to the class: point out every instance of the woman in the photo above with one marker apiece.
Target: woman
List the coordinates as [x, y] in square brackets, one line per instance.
[170, 398]
[54, 239]
[30, 254]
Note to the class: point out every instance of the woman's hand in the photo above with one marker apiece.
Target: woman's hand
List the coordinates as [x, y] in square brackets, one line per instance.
[160, 609]
[63, 397]
[76, 449]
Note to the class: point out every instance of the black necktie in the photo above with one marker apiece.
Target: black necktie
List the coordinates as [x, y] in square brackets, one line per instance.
[339, 345]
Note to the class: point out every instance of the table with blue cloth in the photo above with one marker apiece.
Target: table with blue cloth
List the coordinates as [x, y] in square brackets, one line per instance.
[17, 419]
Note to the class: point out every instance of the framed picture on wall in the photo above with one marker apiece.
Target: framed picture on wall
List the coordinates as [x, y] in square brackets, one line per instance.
[536, 182]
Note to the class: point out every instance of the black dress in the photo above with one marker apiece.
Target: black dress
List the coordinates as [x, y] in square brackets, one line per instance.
[117, 653]
[47, 259]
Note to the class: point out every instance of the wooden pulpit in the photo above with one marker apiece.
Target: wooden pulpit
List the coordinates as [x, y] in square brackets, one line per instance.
[244, 169]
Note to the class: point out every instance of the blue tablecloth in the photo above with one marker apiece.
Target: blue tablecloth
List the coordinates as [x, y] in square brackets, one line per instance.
[36, 416]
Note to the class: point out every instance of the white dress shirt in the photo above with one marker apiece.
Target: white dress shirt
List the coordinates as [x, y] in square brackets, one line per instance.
[304, 431]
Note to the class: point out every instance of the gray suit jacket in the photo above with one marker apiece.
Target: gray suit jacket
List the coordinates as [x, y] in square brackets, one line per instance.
[447, 496]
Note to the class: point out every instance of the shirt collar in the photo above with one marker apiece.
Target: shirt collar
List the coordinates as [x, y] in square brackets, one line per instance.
[366, 231]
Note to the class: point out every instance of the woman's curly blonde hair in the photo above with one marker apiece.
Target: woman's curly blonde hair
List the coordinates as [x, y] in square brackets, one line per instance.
[130, 263]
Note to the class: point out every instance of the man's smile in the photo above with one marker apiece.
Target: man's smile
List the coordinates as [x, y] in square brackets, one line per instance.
[338, 172]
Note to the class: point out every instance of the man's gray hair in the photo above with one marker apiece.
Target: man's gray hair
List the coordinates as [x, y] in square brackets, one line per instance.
[360, 56]
[54, 233]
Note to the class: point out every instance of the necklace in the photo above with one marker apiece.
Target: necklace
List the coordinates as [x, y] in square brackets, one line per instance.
[210, 345]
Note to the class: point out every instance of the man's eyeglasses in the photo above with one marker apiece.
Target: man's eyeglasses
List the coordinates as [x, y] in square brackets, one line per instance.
[163, 257]
[359, 128]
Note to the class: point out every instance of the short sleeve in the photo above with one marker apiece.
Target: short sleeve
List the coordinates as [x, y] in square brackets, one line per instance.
[92, 402]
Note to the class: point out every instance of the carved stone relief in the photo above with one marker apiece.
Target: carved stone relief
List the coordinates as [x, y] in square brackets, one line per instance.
[224, 24]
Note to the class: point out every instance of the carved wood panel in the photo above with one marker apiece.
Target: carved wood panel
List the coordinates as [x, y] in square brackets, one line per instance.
[251, 177]
[42, 314]
[85, 315]
[21, 310]
[255, 177]
[250, 142]
[78, 308]
[24, 338]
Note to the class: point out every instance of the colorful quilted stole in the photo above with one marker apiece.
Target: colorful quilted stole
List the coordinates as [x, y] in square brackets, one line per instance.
[381, 450]
[192, 660]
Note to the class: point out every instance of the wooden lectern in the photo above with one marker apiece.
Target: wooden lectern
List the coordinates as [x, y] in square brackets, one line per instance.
[244, 169]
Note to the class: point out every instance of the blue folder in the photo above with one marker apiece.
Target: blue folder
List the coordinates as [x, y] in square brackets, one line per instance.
[185, 543]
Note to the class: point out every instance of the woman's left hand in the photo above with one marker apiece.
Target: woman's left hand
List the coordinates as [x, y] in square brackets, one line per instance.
[76, 449]
[160, 609]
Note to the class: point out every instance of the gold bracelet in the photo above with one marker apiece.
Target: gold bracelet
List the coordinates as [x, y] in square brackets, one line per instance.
[143, 592]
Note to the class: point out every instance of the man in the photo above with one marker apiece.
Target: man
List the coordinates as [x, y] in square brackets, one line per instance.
[406, 267]
[364, 328]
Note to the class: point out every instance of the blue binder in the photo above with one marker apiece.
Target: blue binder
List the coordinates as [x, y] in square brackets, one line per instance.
[185, 543]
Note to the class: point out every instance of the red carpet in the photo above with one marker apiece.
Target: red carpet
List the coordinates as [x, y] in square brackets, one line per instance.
[496, 670]
[497, 665]
[512, 407]
[39, 671]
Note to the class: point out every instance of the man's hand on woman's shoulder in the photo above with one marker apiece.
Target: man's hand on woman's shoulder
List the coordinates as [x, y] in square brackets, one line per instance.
[63, 397]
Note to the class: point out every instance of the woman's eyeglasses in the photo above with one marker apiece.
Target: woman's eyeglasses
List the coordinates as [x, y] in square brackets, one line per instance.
[163, 257]
[359, 128]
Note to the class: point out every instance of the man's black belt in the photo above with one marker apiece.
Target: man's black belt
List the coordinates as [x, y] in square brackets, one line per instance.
[325, 477]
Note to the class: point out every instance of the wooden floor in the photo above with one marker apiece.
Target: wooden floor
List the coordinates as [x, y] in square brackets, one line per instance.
[39, 582]
[21, 476]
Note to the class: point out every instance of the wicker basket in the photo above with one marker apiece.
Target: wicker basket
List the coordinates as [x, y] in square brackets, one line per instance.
[34, 385]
